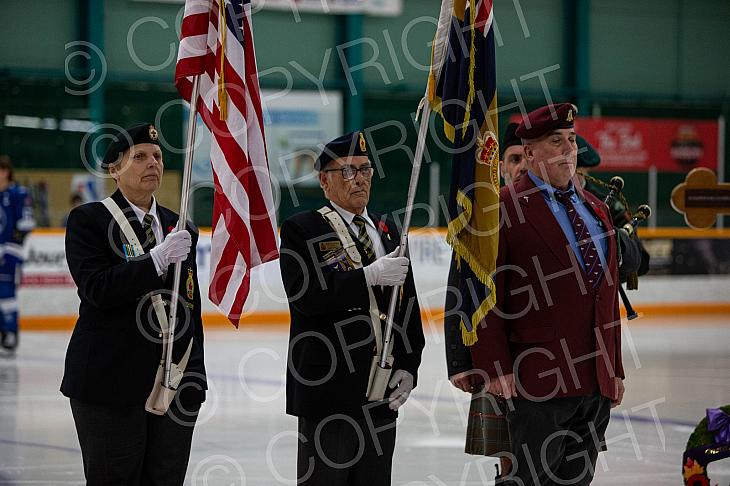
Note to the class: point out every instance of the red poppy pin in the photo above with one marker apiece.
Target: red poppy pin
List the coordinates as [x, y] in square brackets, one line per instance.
[599, 210]
[383, 228]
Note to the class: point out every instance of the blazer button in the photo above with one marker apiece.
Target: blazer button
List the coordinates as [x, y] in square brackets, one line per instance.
[454, 363]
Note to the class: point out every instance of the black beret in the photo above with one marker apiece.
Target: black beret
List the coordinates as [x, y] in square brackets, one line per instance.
[143, 133]
[587, 155]
[349, 145]
[546, 119]
[510, 139]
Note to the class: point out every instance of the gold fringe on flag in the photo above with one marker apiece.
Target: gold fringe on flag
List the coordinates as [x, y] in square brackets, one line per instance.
[473, 233]
[470, 96]
[222, 95]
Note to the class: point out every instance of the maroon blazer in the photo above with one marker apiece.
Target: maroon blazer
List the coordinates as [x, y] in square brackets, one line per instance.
[549, 326]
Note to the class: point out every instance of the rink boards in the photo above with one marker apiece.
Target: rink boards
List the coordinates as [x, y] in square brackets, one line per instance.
[48, 299]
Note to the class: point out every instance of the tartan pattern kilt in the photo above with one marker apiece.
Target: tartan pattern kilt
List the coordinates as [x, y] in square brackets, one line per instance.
[487, 433]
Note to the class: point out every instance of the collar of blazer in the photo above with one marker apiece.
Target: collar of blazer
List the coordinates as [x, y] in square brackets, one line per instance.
[537, 213]
[167, 218]
[388, 244]
[121, 201]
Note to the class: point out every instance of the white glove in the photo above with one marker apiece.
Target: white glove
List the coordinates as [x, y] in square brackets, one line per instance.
[404, 381]
[388, 270]
[173, 249]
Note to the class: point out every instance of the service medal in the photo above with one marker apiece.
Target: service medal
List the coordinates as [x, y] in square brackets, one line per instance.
[190, 284]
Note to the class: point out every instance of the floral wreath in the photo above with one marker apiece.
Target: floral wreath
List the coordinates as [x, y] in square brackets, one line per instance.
[709, 442]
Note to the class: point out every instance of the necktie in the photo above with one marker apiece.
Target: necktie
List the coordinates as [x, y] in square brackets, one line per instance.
[150, 240]
[588, 250]
[367, 243]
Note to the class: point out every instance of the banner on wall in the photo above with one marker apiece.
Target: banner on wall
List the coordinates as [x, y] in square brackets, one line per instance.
[636, 144]
[383, 8]
[388, 8]
[297, 124]
[47, 288]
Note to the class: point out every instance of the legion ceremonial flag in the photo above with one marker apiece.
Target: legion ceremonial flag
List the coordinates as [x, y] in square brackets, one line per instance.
[216, 43]
[462, 89]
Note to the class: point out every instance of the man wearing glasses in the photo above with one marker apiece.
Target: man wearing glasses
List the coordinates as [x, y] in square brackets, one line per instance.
[339, 267]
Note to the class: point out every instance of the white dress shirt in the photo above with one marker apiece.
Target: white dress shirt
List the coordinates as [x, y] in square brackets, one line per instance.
[369, 227]
[156, 229]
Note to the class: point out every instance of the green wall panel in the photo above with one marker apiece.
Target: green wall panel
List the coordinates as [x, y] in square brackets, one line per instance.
[403, 46]
[705, 57]
[34, 33]
[634, 47]
[650, 59]
[281, 38]
[530, 39]
[141, 38]
[40, 148]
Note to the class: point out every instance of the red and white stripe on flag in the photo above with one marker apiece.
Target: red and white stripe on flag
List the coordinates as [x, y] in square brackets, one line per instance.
[244, 223]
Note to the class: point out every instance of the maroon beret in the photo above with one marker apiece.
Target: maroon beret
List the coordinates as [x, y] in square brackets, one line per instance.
[546, 119]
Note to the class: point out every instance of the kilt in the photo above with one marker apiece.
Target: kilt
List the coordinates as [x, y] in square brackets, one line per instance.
[487, 433]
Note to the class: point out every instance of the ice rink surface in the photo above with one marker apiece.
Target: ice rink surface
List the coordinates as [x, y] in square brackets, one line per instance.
[676, 367]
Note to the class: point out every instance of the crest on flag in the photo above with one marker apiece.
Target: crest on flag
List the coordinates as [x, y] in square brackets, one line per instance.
[487, 149]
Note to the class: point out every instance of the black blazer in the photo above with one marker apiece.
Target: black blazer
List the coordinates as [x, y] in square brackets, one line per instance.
[115, 347]
[331, 342]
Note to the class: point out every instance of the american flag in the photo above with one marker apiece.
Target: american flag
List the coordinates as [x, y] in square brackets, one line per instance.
[217, 44]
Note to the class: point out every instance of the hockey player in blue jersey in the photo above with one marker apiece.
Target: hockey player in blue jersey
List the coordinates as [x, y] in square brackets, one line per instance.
[16, 221]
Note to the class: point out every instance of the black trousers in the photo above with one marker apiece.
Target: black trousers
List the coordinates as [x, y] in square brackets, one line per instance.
[556, 442]
[342, 451]
[130, 446]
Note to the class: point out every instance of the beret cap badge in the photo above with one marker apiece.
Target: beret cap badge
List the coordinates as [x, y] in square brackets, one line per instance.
[545, 119]
[349, 145]
[126, 138]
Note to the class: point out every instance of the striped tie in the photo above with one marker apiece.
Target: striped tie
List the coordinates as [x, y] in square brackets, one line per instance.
[589, 252]
[150, 240]
[362, 235]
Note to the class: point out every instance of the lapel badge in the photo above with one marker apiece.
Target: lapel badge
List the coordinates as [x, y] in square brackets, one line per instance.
[190, 284]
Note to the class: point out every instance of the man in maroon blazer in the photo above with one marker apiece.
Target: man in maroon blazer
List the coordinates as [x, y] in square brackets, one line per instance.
[552, 343]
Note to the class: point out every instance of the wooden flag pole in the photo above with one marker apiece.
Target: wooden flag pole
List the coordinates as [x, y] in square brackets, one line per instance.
[181, 223]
